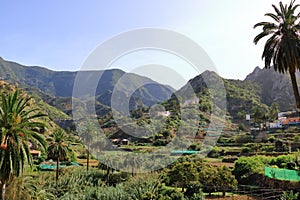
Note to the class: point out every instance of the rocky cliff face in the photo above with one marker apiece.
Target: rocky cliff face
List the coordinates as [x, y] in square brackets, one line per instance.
[275, 87]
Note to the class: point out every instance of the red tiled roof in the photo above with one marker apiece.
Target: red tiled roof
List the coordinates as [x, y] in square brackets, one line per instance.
[292, 119]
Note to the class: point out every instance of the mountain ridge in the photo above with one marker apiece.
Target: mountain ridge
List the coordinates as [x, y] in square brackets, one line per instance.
[260, 88]
[59, 84]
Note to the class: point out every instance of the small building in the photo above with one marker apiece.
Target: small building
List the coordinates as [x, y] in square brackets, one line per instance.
[164, 113]
[35, 153]
[293, 121]
[286, 114]
[125, 142]
[275, 125]
[115, 141]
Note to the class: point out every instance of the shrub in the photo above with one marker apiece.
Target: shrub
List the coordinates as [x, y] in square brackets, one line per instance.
[268, 148]
[289, 195]
[214, 153]
[143, 186]
[193, 188]
[245, 166]
[272, 139]
[282, 160]
[245, 150]
[244, 139]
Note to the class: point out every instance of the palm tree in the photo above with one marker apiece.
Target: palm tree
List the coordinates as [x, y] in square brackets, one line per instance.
[18, 128]
[99, 143]
[133, 162]
[87, 137]
[58, 149]
[106, 163]
[282, 48]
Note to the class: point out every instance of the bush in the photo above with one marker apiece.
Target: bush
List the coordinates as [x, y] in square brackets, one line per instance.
[197, 196]
[245, 150]
[272, 139]
[282, 160]
[193, 188]
[82, 156]
[160, 142]
[245, 166]
[214, 153]
[244, 139]
[242, 127]
[143, 186]
[268, 148]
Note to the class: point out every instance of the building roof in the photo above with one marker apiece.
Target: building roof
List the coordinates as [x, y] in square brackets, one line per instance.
[290, 120]
[35, 152]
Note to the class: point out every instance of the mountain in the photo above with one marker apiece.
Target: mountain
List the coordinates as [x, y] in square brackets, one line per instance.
[237, 97]
[260, 89]
[275, 87]
[53, 113]
[57, 86]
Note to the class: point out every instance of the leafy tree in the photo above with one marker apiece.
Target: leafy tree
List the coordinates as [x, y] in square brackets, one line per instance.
[282, 49]
[241, 115]
[166, 133]
[258, 114]
[58, 149]
[192, 190]
[246, 166]
[18, 127]
[224, 179]
[273, 112]
[217, 178]
[182, 173]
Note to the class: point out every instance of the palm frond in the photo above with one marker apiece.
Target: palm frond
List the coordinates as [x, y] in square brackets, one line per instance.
[273, 16]
[260, 36]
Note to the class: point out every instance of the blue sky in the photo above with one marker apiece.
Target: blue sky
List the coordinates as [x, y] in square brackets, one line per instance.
[61, 34]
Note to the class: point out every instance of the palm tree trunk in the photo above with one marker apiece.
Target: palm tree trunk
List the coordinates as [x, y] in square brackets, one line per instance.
[295, 89]
[57, 169]
[3, 188]
[132, 171]
[88, 158]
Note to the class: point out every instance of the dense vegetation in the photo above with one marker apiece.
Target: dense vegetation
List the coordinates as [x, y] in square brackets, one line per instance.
[199, 118]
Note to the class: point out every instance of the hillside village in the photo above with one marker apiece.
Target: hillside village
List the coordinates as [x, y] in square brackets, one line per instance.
[128, 137]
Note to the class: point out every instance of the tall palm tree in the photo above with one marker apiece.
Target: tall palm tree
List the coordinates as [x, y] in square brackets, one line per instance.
[87, 137]
[282, 49]
[133, 162]
[106, 163]
[18, 128]
[58, 149]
